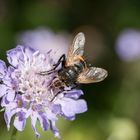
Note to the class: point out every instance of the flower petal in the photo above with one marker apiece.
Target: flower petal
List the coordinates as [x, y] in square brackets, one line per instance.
[54, 129]
[43, 121]
[10, 96]
[71, 107]
[56, 109]
[3, 69]
[14, 55]
[19, 54]
[7, 116]
[3, 90]
[20, 121]
[4, 101]
[75, 94]
[29, 52]
[50, 115]
[33, 124]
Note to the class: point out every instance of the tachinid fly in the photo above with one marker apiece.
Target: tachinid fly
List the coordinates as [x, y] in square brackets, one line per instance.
[74, 68]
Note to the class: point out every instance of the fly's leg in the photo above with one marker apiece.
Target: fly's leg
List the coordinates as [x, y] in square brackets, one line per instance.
[63, 91]
[61, 60]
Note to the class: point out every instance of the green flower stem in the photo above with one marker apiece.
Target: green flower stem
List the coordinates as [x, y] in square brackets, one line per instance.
[14, 132]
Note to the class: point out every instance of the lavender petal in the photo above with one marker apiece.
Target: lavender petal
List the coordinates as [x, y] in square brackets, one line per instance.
[7, 116]
[14, 55]
[3, 69]
[54, 129]
[71, 107]
[10, 95]
[33, 124]
[17, 55]
[43, 121]
[3, 90]
[20, 121]
[75, 94]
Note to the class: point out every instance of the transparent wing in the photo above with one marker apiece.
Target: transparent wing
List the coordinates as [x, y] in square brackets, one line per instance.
[76, 51]
[92, 75]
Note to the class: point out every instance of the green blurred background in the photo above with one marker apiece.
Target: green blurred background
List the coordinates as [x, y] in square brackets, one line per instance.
[113, 105]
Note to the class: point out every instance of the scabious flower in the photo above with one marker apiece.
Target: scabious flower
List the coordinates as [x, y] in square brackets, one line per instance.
[25, 93]
[42, 38]
[128, 45]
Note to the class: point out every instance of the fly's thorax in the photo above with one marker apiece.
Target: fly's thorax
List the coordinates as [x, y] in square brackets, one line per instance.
[78, 67]
[69, 75]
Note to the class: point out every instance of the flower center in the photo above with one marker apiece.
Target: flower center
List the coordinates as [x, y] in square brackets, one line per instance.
[32, 85]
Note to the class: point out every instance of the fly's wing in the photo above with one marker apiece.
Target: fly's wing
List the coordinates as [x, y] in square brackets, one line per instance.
[76, 51]
[92, 75]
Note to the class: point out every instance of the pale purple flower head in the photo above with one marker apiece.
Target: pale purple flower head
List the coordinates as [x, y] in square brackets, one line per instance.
[42, 38]
[128, 45]
[25, 93]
